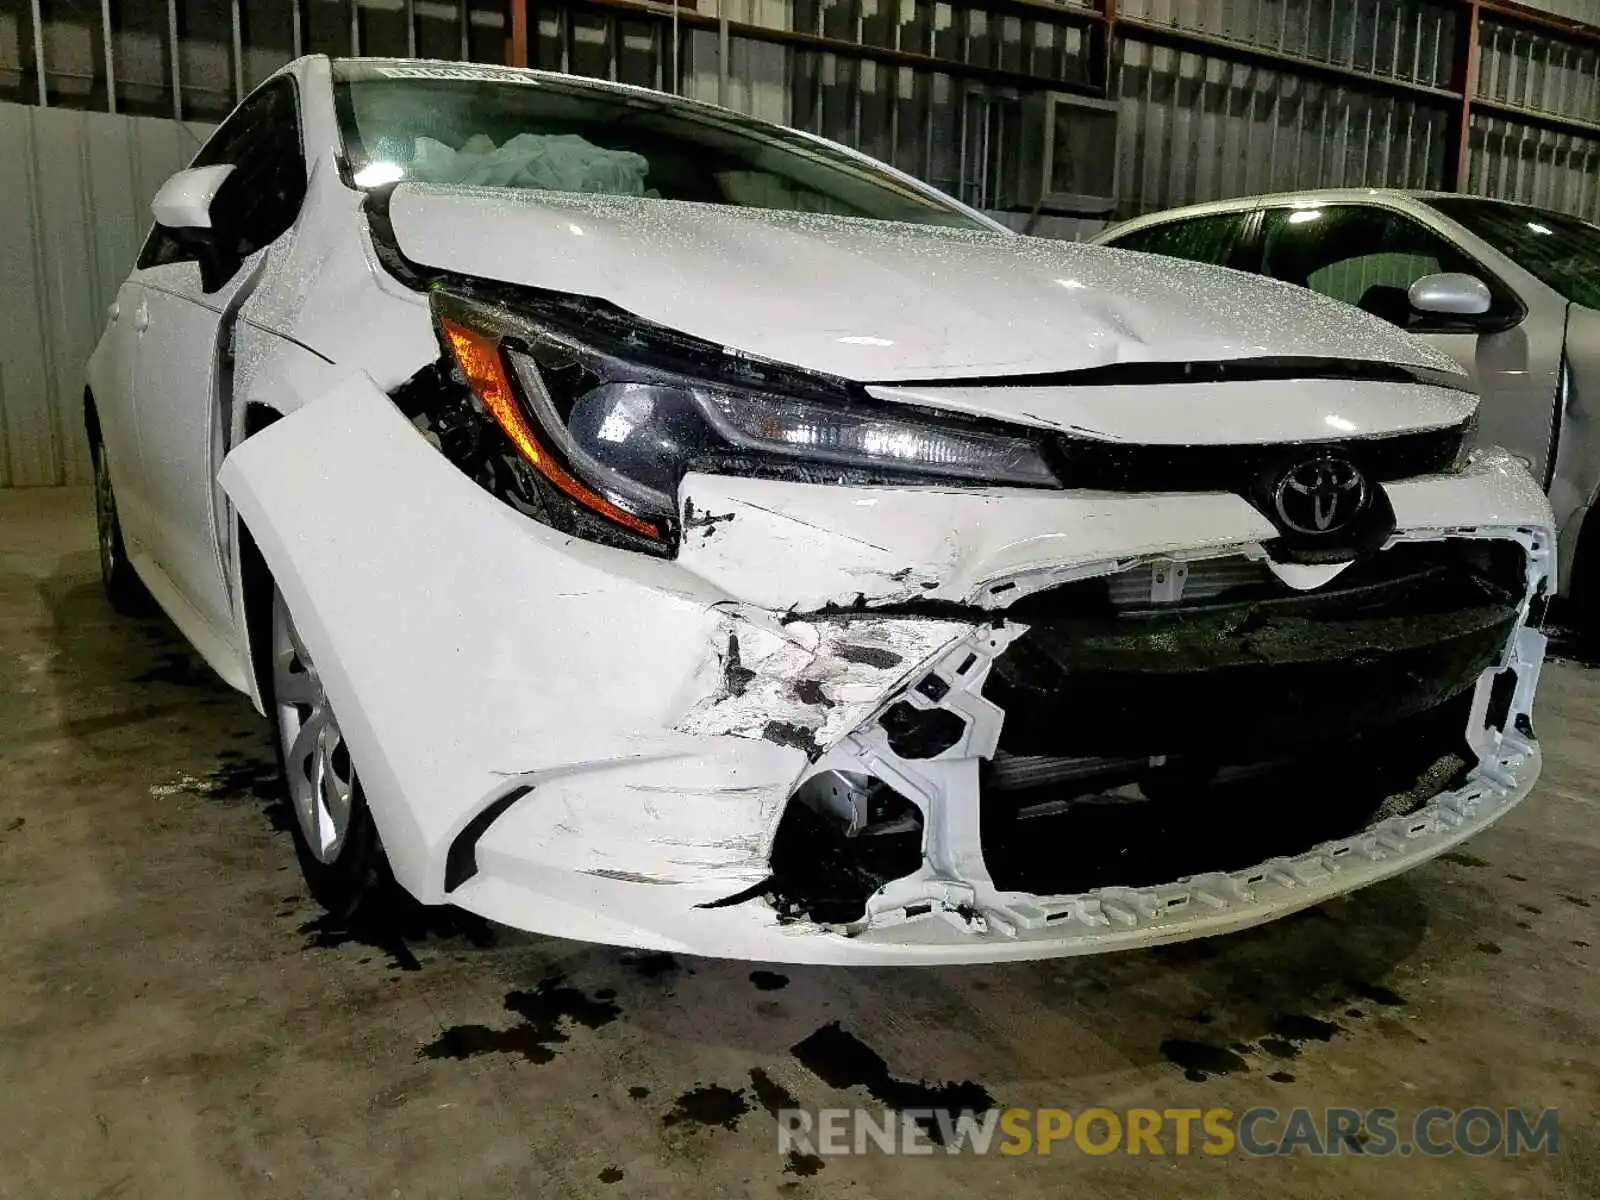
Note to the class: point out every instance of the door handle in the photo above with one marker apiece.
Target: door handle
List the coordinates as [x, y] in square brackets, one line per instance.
[141, 317]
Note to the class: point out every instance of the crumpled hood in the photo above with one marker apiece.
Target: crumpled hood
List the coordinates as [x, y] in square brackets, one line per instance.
[881, 302]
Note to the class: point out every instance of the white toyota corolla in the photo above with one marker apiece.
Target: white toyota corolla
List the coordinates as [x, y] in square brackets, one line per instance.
[649, 525]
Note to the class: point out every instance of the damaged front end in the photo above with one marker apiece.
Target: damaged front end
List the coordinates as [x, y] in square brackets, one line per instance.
[872, 718]
[1176, 747]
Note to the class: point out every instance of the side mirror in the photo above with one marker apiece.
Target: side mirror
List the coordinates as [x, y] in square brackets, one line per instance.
[184, 201]
[183, 207]
[1452, 294]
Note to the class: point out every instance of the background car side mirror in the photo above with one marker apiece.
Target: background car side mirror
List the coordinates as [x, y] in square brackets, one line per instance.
[1452, 294]
[186, 208]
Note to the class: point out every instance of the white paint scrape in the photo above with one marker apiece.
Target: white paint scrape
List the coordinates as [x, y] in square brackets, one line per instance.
[822, 676]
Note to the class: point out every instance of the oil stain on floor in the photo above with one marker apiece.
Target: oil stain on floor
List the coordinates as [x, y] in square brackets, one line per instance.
[547, 1012]
[842, 1060]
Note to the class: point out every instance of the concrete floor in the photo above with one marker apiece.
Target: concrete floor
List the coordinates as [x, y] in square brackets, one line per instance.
[176, 1021]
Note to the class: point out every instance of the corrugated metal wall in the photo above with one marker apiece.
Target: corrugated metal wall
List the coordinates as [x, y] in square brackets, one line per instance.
[72, 216]
[1203, 128]
[1399, 39]
[1520, 160]
[1214, 98]
[1217, 97]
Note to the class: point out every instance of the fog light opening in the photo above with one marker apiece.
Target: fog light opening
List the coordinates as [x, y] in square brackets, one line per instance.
[843, 836]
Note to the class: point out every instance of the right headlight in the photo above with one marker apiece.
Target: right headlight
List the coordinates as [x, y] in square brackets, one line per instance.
[615, 416]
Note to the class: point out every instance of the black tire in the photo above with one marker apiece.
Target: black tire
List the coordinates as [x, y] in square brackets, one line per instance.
[1578, 611]
[353, 882]
[124, 589]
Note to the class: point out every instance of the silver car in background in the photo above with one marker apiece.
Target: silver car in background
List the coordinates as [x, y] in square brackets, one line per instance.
[1510, 291]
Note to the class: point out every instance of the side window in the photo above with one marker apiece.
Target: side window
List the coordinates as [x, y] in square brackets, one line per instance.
[1368, 257]
[260, 200]
[1198, 239]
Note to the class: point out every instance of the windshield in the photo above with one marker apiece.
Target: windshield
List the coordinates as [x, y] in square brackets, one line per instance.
[1560, 251]
[502, 127]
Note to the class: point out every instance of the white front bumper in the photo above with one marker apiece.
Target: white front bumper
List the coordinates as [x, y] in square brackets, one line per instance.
[663, 918]
[472, 654]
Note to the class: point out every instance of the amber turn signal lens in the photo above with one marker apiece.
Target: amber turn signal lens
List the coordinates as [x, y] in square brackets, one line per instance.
[480, 361]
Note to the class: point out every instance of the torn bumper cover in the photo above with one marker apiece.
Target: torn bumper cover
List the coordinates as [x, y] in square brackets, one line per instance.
[871, 725]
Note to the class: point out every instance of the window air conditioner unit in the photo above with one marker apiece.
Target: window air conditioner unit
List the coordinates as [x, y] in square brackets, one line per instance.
[1068, 156]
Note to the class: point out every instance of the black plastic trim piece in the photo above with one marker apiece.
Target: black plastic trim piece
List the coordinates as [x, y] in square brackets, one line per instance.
[1242, 468]
[1287, 368]
[1501, 693]
[461, 861]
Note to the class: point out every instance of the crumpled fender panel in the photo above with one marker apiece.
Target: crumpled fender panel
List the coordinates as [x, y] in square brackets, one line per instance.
[453, 662]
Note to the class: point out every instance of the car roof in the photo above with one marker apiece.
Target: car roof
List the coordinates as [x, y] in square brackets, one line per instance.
[1406, 198]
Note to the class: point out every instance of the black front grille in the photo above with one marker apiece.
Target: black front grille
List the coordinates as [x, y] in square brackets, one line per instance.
[1123, 467]
[1259, 668]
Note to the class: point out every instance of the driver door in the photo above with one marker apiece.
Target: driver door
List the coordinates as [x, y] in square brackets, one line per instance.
[182, 359]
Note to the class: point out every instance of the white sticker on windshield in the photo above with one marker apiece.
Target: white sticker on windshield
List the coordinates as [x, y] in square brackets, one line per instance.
[484, 74]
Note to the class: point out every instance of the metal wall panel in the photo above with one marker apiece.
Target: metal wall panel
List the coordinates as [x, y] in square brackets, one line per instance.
[1521, 67]
[1396, 39]
[1201, 128]
[1538, 166]
[72, 217]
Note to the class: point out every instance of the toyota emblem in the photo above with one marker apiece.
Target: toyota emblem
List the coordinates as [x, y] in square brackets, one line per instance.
[1320, 497]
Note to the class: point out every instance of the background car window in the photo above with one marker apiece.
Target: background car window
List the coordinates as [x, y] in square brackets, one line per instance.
[262, 197]
[1560, 251]
[1200, 239]
[1368, 257]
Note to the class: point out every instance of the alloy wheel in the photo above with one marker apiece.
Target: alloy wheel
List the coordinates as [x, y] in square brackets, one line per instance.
[316, 760]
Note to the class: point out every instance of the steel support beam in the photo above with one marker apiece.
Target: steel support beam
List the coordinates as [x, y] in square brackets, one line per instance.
[111, 61]
[238, 53]
[38, 54]
[724, 47]
[174, 49]
[1103, 46]
[1537, 117]
[517, 41]
[1464, 78]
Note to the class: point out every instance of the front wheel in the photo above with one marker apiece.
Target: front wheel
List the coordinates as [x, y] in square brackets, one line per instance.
[334, 835]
